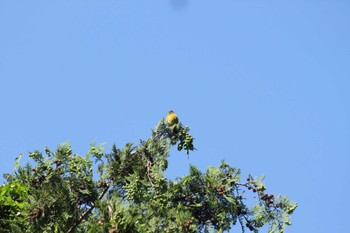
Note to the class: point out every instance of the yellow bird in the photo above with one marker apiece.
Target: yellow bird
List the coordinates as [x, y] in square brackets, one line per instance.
[172, 119]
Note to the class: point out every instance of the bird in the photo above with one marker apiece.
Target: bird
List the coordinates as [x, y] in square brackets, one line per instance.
[172, 118]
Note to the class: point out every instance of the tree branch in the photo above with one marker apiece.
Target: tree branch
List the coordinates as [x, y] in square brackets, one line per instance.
[88, 211]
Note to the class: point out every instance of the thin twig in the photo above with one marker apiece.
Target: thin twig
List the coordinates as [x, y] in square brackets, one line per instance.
[149, 172]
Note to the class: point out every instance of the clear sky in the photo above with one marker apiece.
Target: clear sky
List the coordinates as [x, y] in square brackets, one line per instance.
[264, 85]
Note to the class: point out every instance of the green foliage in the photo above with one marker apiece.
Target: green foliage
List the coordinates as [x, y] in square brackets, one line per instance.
[60, 187]
[13, 204]
[57, 192]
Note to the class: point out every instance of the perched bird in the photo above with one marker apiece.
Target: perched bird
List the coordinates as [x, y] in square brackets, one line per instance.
[172, 119]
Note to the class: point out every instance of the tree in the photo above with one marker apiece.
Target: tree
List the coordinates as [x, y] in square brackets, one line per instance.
[57, 192]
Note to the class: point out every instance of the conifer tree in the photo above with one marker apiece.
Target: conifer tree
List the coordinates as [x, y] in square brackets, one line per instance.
[57, 192]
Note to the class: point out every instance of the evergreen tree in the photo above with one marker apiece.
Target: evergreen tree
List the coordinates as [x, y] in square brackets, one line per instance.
[57, 193]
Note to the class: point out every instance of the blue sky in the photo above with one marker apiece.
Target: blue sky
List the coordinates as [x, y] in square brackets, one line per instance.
[263, 85]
